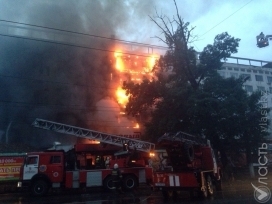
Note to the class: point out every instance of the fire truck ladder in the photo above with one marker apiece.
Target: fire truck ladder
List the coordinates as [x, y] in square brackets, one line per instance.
[94, 135]
[183, 137]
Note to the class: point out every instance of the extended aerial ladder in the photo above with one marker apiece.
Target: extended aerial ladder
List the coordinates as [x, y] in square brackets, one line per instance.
[262, 40]
[94, 135]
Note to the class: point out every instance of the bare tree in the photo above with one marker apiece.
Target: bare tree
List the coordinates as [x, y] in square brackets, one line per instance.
[183, 58]
[177, 36]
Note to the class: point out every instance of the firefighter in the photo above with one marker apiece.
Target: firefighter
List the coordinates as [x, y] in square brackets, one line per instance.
[98, 162]
[116, 177]
[107, 163]
[262, 37]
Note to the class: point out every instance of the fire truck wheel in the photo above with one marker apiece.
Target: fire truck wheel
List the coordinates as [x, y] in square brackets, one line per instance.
[189, 152]
[210, 186]
[130, 182]
[39, 188]
[108, 183]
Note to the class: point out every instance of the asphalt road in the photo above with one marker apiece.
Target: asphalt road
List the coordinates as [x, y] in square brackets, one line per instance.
[234, 192]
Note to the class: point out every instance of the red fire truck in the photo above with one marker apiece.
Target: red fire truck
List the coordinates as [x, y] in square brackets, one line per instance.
[187, 163]
[85, 165]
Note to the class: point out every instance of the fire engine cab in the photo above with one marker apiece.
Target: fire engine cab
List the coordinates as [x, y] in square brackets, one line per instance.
[187, 163]
[85, 165]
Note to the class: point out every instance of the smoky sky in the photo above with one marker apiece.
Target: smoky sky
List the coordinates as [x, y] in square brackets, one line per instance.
[43, 79]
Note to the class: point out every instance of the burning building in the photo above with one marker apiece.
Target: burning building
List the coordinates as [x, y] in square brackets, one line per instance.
[129, 63]
[59, 66]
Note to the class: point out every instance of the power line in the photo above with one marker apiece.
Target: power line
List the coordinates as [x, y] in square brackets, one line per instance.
[56, 82]
[84, 34]
[57, 106]
[74, 45]
[25, 104]
[226, 18]
[68, 44]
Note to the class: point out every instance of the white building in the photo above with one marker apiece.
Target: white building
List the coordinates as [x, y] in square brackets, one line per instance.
[260, 78]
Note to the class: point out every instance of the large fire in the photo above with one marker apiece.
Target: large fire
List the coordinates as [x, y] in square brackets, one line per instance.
[134, 68]
[128, 65]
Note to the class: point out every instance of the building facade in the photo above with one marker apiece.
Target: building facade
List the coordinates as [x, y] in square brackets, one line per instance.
[258, 75]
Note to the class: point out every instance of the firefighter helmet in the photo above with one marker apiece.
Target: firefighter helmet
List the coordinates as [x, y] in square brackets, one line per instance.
[115, 166]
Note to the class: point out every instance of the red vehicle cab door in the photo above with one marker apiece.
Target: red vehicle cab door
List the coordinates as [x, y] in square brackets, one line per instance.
[30, 167]
[55, 168]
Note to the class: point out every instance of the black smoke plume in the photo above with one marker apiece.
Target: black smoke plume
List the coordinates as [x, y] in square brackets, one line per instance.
[52, 78]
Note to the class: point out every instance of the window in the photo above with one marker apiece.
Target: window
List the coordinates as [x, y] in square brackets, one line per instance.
[270, 90]
[269, 79]
[235, 75]
[222, 74]
[242, 70]
[244, 76]
[236, 69]
[266, 72]
[261, 72]
[260, 88]
[32, 160]
[248, 88]
[254, 71]
[55, 160]
[248, 70]
[259, 77]
[229, 68]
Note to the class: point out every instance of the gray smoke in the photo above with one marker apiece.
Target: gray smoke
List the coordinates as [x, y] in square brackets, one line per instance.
[54, 81]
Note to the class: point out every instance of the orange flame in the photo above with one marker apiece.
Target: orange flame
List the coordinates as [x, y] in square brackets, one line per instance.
[119, 65]
[137, 126]
[122, 98]
[151, 62]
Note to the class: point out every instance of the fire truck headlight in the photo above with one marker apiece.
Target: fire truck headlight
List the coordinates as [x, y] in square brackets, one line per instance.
[151, 154]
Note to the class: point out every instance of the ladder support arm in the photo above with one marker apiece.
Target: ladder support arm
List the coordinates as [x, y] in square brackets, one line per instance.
[93, 135]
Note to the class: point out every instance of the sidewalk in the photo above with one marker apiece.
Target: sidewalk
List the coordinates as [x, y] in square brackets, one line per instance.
[244, 182]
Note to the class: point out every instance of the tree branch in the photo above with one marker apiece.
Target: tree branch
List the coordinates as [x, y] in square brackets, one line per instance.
[165, 30]
[160, 39]
[189, 34]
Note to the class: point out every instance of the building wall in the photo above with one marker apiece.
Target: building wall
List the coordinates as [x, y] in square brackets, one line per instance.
[260, 79]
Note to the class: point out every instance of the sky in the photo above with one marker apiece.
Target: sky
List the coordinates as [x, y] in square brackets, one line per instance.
[242, 19]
